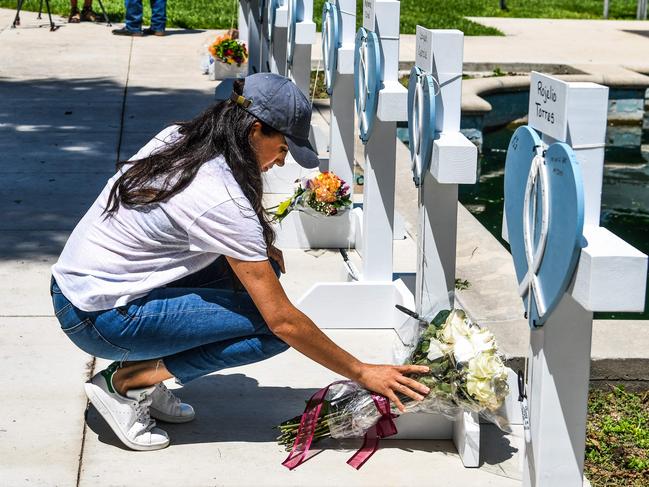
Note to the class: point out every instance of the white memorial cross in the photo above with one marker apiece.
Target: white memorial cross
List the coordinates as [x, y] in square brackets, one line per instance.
[269, 15]
[610, 276]
[289, 54]
[382, 17]
[306, 231]
[341, 129]
[250, 29]
[370, 301]
[296, 16]
[453, 161]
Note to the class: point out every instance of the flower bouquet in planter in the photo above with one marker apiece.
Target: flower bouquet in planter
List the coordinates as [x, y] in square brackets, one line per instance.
[229, 57]
[467, 373]
[324, 194]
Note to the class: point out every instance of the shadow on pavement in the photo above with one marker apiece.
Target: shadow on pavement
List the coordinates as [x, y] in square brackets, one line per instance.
[234, 408]
[60, 139]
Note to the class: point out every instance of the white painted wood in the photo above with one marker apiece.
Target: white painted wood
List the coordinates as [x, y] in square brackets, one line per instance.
[242, 17]
[380, 150]
[319, 138]
[378, 203]
[393, 103]
[454, 159]
[611, 275]
[448, 48]
[300, 72]
[341, 128]
[558, 397]
[346, 59]
[466, 437]
[422, 426]
[436, 244]
[281, 180]
[358, 304]
[587, 112]
[560, 350]
[387, 28]
[254, 37]
[300, 230]
[305, 32]
[280, 39]
[281, 15]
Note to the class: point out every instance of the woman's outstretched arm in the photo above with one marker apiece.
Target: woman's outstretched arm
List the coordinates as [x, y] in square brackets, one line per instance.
[298, 331]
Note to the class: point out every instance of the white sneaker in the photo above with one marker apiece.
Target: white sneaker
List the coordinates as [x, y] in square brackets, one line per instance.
[127, 416]
[167, 407]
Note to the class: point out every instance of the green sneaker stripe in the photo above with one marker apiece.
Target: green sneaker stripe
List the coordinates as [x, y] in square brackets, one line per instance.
[108, 376]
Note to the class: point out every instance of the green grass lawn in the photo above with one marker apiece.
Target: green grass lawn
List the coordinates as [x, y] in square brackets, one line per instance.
[617, 438]
[437, 14]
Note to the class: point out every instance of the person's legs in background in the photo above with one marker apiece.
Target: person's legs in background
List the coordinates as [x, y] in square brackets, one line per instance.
[158, 17]
[87, 14]
[75, 16]
[133, 21]
[133, 15]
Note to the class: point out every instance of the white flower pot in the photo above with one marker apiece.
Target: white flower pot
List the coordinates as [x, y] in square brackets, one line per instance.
[304, 230]
[219, 70]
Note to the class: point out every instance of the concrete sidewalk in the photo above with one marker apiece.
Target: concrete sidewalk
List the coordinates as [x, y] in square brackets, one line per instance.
[71, 103]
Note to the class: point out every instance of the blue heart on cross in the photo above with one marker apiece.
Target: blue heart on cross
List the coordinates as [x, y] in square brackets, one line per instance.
[544, 209]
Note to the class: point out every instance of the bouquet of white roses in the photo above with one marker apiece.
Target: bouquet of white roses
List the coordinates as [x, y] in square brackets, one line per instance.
[467, 373]
[324, 193]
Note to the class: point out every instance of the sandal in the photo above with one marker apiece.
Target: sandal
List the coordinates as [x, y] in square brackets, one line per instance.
[74, 17]
[87, 15]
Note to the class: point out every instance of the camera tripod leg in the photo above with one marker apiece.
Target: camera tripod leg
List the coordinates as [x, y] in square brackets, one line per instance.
[17, 19]
[49, 14]
[103, 11]
[40, 10]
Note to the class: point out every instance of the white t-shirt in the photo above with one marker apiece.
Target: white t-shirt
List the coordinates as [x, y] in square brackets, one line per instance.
[109, 261]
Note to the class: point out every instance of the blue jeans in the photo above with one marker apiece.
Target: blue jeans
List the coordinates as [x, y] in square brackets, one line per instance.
[196, 325]
[134, 15]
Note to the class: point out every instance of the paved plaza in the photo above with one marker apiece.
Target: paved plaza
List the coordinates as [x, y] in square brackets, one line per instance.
[72, 103]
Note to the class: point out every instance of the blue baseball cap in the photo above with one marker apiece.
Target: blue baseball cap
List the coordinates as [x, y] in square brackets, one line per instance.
[279, 103]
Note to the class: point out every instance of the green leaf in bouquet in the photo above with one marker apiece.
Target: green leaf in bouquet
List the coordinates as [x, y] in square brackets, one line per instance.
[445, 388]
[439, 369]
[283, 209]
[440, 318]
[429, 332]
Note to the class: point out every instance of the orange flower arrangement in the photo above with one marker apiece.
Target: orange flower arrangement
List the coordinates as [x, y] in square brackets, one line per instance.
[228, 49]
[325, 193]
[326, 185]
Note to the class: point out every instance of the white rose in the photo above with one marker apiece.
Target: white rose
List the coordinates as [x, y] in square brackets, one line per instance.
[455, 326]
[436, 350]
[482, 340]
[480, 390]
[463, 349]
[487, 366]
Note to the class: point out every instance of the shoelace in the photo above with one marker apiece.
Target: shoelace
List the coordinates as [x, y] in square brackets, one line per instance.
[169, 394]
[142, 415]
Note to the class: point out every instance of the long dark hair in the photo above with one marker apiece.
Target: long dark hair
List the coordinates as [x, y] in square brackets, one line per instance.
[222, 129]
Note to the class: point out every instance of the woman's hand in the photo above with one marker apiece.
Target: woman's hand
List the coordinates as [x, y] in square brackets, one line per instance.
[277, 255]
[388, 380]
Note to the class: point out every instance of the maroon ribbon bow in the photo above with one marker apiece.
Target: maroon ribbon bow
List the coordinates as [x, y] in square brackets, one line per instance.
[383, 428]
